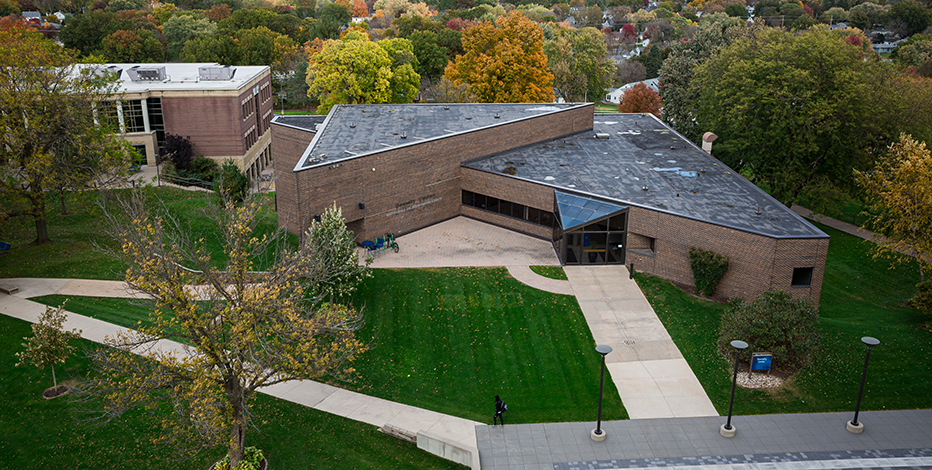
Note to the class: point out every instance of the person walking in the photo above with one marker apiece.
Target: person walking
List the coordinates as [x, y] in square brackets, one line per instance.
[500, 407]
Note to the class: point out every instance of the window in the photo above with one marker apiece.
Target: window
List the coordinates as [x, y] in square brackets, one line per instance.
[508, 208]
[156, 122]
[132, 116]
[249, 106]
[802, 277]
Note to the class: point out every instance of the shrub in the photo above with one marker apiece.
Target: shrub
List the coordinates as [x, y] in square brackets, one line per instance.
[179, 150]
[251, 460]
[231, 182]
[708, 268]
[773, 322]
[205, 168]
[923, 299]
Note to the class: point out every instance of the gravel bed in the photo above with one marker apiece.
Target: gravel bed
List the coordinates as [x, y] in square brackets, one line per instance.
[759, 380]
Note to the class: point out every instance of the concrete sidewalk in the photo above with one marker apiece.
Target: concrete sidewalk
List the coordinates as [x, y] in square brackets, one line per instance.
[648, 370]
[891, 439]
[375, 411]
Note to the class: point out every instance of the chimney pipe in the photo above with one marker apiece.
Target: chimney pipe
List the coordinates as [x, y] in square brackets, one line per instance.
[707, 140]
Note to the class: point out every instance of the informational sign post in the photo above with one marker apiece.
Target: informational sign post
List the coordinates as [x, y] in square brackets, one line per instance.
[760, 361]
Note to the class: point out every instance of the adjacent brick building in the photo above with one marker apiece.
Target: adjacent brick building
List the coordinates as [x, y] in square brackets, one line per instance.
[605, 189]
[226, 111]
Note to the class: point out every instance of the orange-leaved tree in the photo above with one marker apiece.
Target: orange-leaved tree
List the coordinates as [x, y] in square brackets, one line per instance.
[640, 99]
[504, 61]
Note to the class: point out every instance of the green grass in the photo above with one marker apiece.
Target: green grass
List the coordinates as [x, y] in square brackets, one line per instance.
[606, 107]
[553, 272]
[476, 333]
[47, 434]
[451, 339]
[860, 297]
[73, 254]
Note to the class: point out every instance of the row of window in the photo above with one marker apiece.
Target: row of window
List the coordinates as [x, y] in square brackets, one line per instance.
[266, 122]
[251, 137]
[249, 107]
[508, 208]
[265, 93]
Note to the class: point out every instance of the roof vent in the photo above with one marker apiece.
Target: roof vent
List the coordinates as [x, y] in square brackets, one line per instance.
[644, 188]
[707, 140]
[101, 70]
[150, 73]
[602, 135]
[758, 212]
[497, 116]
[216, 73]
[352, 125]
[446, 107]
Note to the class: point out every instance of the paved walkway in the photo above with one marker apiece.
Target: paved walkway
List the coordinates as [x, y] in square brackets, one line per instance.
[462, 241]
[891, 439]
[323, 397]
[649, 371]
[528, 277]
[836, 224]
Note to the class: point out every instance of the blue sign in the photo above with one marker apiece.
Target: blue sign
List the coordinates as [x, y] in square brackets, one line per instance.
[761, 361]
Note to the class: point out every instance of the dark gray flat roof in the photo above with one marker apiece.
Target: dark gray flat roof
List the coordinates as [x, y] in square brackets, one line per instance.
[640, 150]
[303, 121]
[350, 131]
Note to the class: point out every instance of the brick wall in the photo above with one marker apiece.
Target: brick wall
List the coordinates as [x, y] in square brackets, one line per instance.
[757, 263]
[418, 185]
[289, 145]
[510, 189]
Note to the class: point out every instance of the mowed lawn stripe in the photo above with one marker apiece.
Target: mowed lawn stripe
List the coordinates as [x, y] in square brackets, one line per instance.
[451, 339]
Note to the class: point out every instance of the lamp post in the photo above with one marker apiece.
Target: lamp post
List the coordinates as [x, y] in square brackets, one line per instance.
[158, 170]
[727, 429]
[854, 426]
[598, 434]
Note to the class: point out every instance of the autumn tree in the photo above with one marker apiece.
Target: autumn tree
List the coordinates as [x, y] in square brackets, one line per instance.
[49, 344]
[640, 99]
[676, 73]
[132, 46]
[821, 118]
[181, 29]
[50, 138]
[504, 61]
[578, 62]
[255, 321]
[355, 70]
[900, 190]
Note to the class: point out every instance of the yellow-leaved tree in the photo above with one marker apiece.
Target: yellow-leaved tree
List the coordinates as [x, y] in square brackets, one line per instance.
[900, 191]
[266, 315]
[504, 62]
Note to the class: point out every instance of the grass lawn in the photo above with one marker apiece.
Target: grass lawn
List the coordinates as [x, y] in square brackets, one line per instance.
[477, 333]
[72, 253]
[606, 107]
[860, 297]
[46, 434]
[553, 272]
[451, 339]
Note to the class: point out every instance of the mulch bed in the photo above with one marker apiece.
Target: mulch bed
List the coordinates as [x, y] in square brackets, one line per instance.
[53, 392]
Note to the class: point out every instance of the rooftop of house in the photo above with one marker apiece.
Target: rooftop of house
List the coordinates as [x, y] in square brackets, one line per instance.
[183, 76]
[354, 131]
[638, 160]
[632, 159]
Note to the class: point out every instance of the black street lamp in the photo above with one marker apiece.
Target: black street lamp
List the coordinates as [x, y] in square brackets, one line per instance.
[854, 426]
[158, 171]
[727, 429]
[598, 434]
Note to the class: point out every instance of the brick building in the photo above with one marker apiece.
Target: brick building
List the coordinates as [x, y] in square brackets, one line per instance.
[605, 189]
[226, 111]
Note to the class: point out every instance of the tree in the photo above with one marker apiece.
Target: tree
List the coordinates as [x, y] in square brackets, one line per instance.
[121, 5]
[262, 323]
[86, 32]
[49, 343]
[913, 15]
[181, 29]
[736, 10]
[353, 69]
[179, 150]
[132, 46]
[820, 120]
[262, 46]
[445, 91]
[773, 322]
[640, 99]
[578, 61]
[231, 184]
[328, 23]
[504, 62]
[431, 58]
[900, 190]
[629, 71]
[219, 48]
[50, 139]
